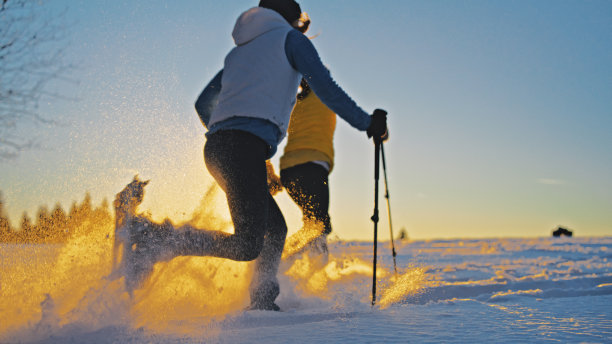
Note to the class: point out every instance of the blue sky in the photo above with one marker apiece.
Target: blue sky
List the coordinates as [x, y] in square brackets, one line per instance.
[500, 112]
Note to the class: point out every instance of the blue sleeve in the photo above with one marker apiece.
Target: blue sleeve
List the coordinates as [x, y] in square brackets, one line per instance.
[303, 56]
[208, 99]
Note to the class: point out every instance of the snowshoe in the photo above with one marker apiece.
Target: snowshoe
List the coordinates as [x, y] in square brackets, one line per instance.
[271, 306]
[145, 244]
[139, 242]
[263, 296]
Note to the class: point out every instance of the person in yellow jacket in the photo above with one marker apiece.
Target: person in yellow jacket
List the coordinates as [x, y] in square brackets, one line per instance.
[304, 168]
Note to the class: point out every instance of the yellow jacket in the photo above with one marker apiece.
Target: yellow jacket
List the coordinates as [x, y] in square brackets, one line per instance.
[310, 136]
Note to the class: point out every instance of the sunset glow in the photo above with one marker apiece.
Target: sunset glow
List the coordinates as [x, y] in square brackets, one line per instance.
[498, 129]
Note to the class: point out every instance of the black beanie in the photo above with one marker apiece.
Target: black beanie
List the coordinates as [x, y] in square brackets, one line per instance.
[289, 9]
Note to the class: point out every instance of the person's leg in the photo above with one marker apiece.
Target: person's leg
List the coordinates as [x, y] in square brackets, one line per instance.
[307, 184]
[264, 287]
[237, 162]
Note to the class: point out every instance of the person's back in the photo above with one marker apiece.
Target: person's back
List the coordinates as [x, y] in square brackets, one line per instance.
[310, 136]
[258, 81]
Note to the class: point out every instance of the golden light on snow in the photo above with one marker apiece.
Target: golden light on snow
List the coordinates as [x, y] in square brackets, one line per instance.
[190, 287]
[408, 283]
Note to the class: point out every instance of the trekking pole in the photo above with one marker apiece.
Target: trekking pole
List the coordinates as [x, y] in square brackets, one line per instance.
[382, 152]
[377, 145]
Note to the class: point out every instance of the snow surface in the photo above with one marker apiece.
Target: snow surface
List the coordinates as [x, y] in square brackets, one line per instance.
[447, 291]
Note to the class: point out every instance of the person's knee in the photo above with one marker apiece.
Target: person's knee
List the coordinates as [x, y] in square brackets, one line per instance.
[250, 249]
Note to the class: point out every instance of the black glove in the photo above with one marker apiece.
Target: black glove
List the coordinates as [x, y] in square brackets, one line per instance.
[378, 126]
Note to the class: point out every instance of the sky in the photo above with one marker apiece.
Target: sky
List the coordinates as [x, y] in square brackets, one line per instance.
[500, 113]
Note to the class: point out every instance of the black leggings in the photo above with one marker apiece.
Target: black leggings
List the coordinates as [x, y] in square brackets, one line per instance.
[237, 161]
[308, 186]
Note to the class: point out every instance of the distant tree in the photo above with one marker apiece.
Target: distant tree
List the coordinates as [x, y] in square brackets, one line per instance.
[26, 234]
[32, 43]
[43, 225]
[5, 231]
[59, 224]
[73, 212]
[78, 212]
[102, 212]
[403, 235]
[5, 226]
[104, 206]
[1, 204]
[86, 207]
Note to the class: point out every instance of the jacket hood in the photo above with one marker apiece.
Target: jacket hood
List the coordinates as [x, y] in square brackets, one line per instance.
[255, 22]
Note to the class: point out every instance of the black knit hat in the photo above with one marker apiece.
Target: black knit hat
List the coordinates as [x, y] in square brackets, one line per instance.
[289, 9]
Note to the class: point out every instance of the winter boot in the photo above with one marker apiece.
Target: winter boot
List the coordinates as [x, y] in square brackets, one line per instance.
[262, 298]
[145, 243]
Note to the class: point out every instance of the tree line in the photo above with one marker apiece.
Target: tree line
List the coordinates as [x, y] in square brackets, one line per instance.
[53, 226]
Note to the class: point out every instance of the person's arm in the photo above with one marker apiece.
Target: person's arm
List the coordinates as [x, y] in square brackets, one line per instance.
[208, 99]
[303, 56]
[274, 182]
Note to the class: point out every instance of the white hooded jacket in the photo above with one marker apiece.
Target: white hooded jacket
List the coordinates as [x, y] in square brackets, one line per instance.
[258, 81]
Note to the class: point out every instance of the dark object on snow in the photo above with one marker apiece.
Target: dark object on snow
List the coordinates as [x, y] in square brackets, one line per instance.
[403, 235]
[560, 231]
